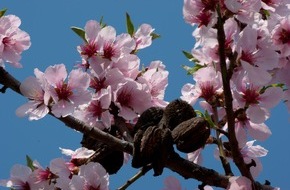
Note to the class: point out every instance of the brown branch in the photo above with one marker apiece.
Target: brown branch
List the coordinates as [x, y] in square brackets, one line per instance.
[177, 164]
[237, 156]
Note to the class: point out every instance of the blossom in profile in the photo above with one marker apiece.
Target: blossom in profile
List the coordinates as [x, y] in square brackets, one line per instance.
[143, 36]
[13, 41]
[37, 106]
[20, 178]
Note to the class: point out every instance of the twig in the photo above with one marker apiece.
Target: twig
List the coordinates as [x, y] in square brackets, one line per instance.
[142, 172]
[3, 89]
[237, 157]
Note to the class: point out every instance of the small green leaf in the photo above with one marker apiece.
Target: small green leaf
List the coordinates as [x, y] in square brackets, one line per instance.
[187, 55]
[192, 70]
[199, 113]
[29, 163]
[155, 36]
[2, 12]
[130, 26]
[103, 25]
[279, 85]
[80, 32]
[190, 57]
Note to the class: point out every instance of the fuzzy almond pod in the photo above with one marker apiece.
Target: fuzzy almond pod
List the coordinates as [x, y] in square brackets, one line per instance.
[176, 112]
[191, 135]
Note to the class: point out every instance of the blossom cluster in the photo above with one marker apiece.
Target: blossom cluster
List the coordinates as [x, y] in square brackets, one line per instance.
[62, 173]
[256, 51]
[107, 84]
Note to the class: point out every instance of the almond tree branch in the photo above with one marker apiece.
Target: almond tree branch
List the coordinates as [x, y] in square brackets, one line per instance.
[237, 156]
[175, 163]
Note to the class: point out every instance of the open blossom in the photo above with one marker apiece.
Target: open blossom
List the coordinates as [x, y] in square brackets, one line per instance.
[97, 114]
[208, 85]
[90, 176]
[244, 10]
[280, 36]
[13, 41]
[249, 95]
[255, 59]
[199, 12]
[156, 79]
[132, 98]
[67, 96]
[19, 178]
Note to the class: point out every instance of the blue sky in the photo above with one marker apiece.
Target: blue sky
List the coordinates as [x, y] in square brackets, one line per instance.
[49, 22]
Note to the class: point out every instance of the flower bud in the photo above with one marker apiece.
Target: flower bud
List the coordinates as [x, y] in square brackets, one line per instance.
[191, 135]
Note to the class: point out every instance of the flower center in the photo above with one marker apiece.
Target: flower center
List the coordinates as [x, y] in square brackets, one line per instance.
[124, 98]
[109, 51]
[251, 96]
[95, 108]
[97, 84]
[284, 36]
[63, 91]
[89, 49]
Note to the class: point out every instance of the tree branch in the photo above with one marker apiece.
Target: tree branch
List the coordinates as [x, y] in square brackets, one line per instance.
[237, 156]
[177, 164]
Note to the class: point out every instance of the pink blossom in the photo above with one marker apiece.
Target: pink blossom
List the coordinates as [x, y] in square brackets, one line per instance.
[67, 96]
[252, 153]
[13, 41]
[20, 178]
[196, 156]
[128, 65]
[248, 94]
[157, 81]
[109, 77]
[36, 108]
[90, 48]
[143, 36]
[255, 60]
[280, 36]
[244, 10]
[64, 170]
[80, 153]
[91, 176]
[199, 12]
[97, 114]
[208, 85]
[132, 98]
[239, 183]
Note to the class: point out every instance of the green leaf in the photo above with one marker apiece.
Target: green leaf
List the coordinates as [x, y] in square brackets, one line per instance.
[192, 70]
[130, 26]
[190, 57]
[187, 55]
[103, 25]
[2, 12]
[155, 36]
[29, 163]
[80, 32]
[279, 85]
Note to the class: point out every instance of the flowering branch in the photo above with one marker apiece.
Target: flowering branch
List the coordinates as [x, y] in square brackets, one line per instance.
[177, 164]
